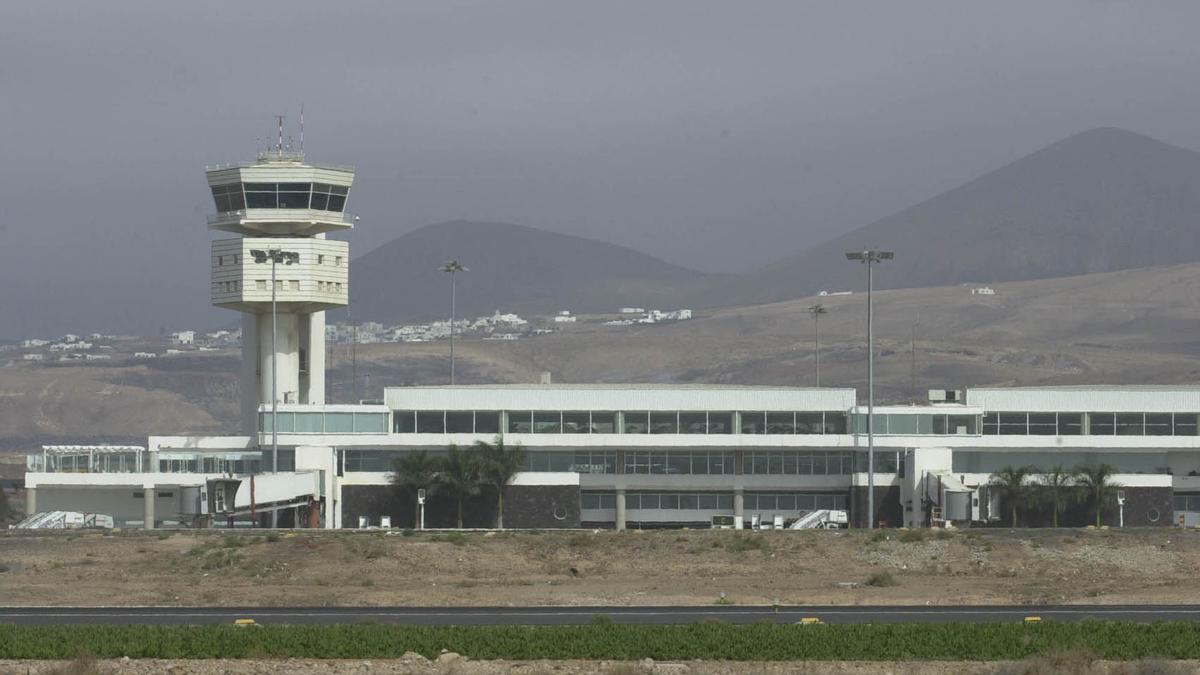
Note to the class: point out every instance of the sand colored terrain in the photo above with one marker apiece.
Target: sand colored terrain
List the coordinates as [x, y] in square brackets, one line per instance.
[695, 567]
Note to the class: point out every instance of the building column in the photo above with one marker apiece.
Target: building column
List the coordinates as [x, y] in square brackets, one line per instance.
[30, 501]
[739, 511]
[148, 508]
[739, 492]
[620, 510]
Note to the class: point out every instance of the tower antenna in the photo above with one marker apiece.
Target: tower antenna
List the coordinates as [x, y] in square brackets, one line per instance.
[301, 127]
[279, 143]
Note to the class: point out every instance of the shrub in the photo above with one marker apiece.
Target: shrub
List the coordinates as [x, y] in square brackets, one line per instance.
[620, 642]
[881, 579]
[912, 536]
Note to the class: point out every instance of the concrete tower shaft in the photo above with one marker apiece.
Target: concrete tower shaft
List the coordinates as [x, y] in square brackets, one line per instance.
[281, 272]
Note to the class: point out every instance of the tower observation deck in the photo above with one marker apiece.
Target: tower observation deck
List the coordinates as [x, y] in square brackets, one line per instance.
[282, 208]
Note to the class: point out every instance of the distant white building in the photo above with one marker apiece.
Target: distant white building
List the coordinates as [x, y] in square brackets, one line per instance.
[183, 337]
[33, 343]
[97, 357]
[564, 317]
[34, 357]
[983, 290]
[633, 310]
[145, 355]
[70, 337]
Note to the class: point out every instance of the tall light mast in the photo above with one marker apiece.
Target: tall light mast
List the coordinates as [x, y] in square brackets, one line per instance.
[282, 208]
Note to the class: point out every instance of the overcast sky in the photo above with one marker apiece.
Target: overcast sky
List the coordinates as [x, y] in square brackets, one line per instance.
[717, 135]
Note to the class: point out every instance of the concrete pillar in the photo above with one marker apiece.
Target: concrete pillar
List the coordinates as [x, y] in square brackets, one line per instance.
[248, 382]
[739, 508]
[620, 510]
[30, 501]
[287, 344]
[148, 508]
[315, 389]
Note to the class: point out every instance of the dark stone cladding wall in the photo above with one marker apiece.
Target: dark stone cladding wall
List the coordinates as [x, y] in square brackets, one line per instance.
[888, 509]
[541, 506]
[1142, 504]
[525, 506]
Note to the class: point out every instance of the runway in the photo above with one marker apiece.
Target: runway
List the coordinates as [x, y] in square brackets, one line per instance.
[557, 616]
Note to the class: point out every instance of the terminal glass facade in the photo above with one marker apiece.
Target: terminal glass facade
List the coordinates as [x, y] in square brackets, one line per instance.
[919, 424]
[325, 422]
[1089, 423]
[710, 422]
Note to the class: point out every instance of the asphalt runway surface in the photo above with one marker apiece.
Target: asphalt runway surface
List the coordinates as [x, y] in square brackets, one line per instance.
[498, 616]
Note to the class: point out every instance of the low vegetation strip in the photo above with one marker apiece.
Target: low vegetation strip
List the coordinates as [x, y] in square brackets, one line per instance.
[604, 640]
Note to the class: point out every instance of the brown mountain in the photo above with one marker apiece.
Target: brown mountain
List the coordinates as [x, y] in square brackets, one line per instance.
[512, 268]
[1098, 201]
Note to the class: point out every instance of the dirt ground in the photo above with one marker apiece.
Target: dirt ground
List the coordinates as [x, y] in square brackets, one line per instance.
[301, 568]
[452, 664]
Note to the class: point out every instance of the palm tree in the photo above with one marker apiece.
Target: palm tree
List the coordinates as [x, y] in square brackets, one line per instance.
[459, 476]
[1060, 484]
[1010, 483]
[498, 464]
[412, 472]
[1097, 483]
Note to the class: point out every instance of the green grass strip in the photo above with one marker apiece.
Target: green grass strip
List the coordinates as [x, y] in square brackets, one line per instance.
[758, 642]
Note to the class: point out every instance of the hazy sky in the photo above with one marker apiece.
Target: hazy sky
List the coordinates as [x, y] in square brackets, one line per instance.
[718, 135]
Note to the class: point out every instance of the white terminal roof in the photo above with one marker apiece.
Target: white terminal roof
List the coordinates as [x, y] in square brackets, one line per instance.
[616, 397]
[1099, 398]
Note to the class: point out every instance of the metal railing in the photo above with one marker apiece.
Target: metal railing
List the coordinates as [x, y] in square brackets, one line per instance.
[280, 215]
[270, 158]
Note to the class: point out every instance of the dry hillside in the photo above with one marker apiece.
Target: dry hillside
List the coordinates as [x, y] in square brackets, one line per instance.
[1135, 326]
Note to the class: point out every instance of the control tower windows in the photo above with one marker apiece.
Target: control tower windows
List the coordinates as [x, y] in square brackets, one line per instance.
[293, 195]
[228, 197]
[261, 196]
[329, 197]
[318, 196]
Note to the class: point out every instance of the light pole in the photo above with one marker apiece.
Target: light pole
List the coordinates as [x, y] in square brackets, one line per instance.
[453, 267]
[817, 311]
[870, 257]
[275, 256]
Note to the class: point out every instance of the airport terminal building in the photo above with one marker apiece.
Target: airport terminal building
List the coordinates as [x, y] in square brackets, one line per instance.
[604, 455]
[624, 456]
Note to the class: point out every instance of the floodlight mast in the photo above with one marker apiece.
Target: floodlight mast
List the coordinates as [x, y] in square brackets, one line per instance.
[817, 311]
[870, 257]
[452, 267]
[275, 256]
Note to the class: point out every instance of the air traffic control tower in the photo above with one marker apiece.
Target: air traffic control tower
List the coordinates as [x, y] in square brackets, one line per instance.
[281, 208]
